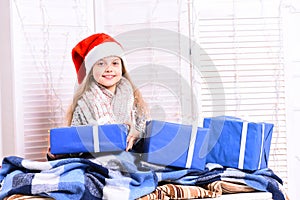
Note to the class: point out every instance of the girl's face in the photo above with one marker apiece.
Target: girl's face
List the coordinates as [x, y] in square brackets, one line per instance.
[108, 72]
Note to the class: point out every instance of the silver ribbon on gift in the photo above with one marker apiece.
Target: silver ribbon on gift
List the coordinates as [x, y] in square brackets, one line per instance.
[243, 145]
[96, 138]
[191, 149]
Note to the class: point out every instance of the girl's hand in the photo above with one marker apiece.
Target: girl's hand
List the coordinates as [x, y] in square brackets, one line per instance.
[132, 137]
[51, 156]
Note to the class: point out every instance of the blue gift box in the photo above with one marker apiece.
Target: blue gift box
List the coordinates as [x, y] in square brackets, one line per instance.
[80, 139]
[172, 144]
[237, 143]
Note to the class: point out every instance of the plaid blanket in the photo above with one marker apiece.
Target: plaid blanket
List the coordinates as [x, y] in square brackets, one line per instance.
[78, 178]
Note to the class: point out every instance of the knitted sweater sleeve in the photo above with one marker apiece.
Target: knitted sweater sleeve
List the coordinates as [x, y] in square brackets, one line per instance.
[140, 122]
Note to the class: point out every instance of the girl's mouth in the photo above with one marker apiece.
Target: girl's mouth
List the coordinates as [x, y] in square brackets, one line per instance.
[108, 76]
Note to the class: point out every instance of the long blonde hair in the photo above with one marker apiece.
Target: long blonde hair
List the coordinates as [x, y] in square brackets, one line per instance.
[139, 103]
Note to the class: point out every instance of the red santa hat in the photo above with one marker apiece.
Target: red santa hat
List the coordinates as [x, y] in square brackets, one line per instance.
[88, 51]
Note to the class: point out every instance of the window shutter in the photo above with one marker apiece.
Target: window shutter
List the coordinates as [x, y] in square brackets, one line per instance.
[44, 34]
[243, 41]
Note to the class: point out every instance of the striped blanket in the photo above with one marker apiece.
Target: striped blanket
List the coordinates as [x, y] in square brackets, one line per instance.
[78, 178]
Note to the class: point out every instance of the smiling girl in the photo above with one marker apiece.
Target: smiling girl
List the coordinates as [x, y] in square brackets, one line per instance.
[105, 93]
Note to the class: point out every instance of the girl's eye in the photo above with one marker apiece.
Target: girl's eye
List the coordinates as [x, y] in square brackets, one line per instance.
[116, 63]
[100, 63]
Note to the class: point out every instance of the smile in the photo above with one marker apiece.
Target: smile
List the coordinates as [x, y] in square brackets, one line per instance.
[108, 76]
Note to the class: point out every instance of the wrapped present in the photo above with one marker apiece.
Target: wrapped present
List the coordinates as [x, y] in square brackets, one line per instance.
[80, 139]
[177, 145]
[237, 143]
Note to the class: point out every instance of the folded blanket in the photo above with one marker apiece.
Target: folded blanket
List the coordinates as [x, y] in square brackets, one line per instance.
[75, 178]
[172, 191]
[224, 187]
[120, 178]
[211, 190]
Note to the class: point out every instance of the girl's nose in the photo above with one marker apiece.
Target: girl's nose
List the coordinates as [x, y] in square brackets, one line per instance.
[108, 68]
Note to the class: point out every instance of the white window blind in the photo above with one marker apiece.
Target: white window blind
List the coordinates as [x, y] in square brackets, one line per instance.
[243, 41]
[45, 31]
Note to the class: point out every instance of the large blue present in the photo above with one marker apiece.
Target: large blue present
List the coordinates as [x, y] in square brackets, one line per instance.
[88, 138]
[237, 143]
[177, 145]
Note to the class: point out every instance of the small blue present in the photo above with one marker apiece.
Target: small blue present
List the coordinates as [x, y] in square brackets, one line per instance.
[80, 139]
[177, 145]
[237, 143]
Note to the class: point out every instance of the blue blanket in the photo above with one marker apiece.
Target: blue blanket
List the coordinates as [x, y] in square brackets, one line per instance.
[126, 178]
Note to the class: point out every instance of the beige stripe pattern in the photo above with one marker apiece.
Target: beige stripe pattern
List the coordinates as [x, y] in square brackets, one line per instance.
[212, 190]
[172, 191]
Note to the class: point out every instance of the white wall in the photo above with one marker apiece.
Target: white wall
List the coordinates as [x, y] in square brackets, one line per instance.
[291, 32]
[7, 131]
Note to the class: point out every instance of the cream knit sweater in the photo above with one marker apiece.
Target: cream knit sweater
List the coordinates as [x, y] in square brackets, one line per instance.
[100, 106]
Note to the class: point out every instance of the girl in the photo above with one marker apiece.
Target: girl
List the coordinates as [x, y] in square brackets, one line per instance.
[105, 93]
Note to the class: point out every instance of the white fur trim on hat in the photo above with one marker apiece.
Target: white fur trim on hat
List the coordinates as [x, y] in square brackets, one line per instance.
[102, 50]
